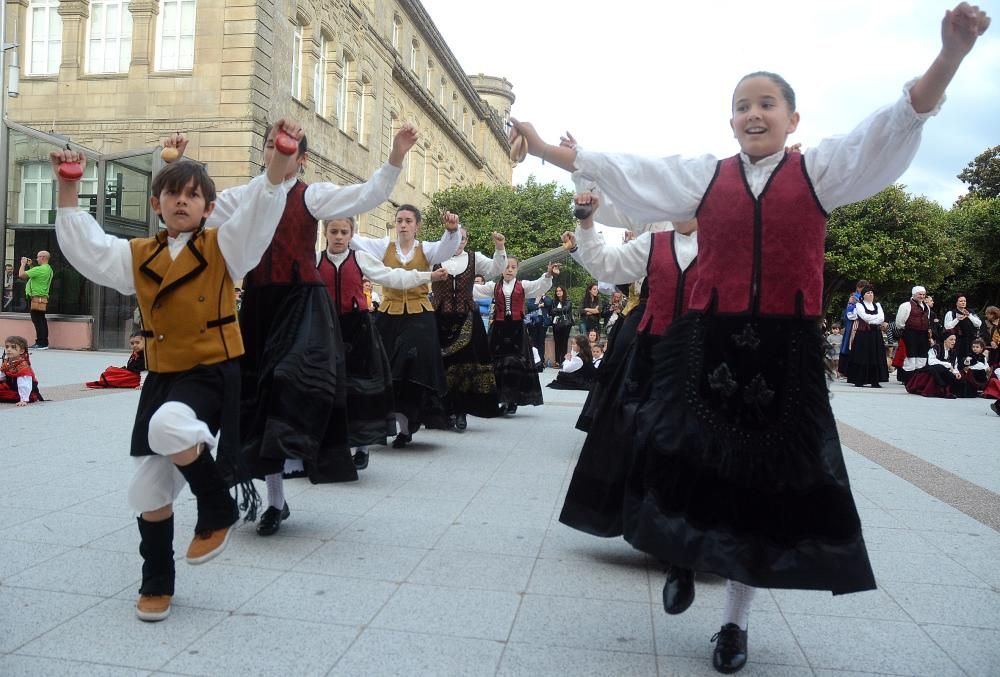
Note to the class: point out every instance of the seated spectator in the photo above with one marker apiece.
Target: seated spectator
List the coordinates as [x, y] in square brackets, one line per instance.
[941, 377]
[577, 372]
[598, 353]
[130, 375]
[17, 379]
[974, 368]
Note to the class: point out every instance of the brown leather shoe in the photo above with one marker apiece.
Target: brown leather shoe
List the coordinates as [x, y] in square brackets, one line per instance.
[152, 608]
[206, 545]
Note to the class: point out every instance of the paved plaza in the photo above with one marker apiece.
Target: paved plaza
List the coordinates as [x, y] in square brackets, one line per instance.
[447, 558]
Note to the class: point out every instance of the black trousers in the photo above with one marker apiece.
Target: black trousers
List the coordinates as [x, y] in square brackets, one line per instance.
[41, 327]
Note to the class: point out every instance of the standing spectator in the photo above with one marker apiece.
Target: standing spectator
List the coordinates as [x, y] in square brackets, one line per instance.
[614, 312]
[562, 322]
[934, 323]
[848, 325]
[536, 322]
[8, 287]
[591, 310]
[39, 279]
[484, 305]
[867, 357]
[990, 333]
[835, 338]
[965, 326]
[913, 318]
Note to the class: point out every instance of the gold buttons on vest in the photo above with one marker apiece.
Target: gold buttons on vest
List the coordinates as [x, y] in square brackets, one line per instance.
[201, 298]
[160, 337]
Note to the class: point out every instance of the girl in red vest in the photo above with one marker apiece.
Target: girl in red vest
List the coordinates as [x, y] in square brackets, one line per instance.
[129, 376]
[17, 378]
[743, 472]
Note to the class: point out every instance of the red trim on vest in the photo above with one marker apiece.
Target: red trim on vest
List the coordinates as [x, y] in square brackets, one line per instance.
[345, 284]
[917, 321]
[516, 302]
[669, 287]
[290, 258]
[765, 255]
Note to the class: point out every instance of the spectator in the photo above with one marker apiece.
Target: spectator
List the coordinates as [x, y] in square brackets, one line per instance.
[8, 287]
[867, 365]
[562, 322]
[848, 326]
[941, 376]
[964, 324]
[39, 280]
[913, 318]
[934, 323]
[990, 333]
[835, 338]
[578, 371]
[592, 308]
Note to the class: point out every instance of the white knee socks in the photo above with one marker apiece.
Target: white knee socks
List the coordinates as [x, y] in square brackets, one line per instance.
[402, 422]
[739, 597]
[275, 491]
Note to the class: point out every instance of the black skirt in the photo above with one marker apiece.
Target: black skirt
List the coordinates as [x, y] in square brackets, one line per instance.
[369, 382]
[472, 386]
[611, 373]
[514, 364]
[868, 363]
[738, 468]
[293, 402]
[414, 351]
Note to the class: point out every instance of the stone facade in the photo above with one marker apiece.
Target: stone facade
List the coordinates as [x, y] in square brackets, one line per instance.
[245, 72]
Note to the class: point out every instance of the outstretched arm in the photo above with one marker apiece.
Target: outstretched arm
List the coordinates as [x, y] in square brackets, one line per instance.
[617, 265]
[960, 29]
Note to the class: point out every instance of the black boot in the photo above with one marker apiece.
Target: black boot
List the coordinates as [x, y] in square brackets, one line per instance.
[730, 653]
[678, 590]
[216, 508]
[156, 546]
[461, 423]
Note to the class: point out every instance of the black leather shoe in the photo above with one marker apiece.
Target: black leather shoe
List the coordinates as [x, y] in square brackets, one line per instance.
[451, 422]
[402, 439]
[271, 520]
[293, 475]
[730, 653]
[360, 459]
[461, 423]
[996, 407]
[511, 409]
[678, 590]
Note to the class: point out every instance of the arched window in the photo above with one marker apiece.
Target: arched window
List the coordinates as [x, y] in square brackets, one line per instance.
[344, 90]
[320, 71]
[414, 55]
[465, 119]
[454, 107]
[429, 74]
[442, 92]
[397, 25]
[361, 110]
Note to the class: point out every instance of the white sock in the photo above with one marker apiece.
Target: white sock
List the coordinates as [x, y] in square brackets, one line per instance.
[275, 491]
[403, 423]
[294, 465]
[739, 598]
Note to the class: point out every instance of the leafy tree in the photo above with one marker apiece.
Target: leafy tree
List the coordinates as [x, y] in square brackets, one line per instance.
[894, 240]
[974, 223]
[983, 174]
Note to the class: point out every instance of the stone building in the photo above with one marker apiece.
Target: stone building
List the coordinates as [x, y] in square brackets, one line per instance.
[114, 76]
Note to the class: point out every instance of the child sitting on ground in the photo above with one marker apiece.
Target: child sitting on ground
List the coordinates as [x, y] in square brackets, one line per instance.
[17, 379]
[130, 375]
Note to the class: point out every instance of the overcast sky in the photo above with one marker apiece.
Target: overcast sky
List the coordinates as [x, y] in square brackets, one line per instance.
[656, 78]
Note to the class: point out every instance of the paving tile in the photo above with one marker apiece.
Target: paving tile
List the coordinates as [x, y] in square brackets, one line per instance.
[530, 660]
[493, 538]
[388, 530]
[63, 528]
[564, 542]
[14, 665]
[591, 579]
[11, 516]
[480, 614]
[480, 510]
[323, 599]
[389, 653]
[601, 625]
[951, 522]
[353, 559]
[430, 509]
[16, 556]
[281, 551]
[947, 604]
[676, 666]
[315, 499]
[876, 604]
[898, 540]
[216, 586]
[869, 645]
[258, 645]
[976, 650]
[485, 571]
[916, 567]
[47, 496]
[109, 633]
[308, 524]
[28, 614]
[428, 487]
[80, 570]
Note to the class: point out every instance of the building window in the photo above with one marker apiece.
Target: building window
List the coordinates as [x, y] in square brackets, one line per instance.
[297, 62]
[414, 54]
[454, 107]
[45, 37]
[360, 109]
[465, 119]
[442, 92]
[109, 45]
[397, 24]
[319, 78]
[344, 90]
[175, 37]
[429, 75]
[37, 202]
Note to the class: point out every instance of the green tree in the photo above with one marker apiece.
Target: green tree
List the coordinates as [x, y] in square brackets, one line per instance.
[974, 224]
[982, 175]
[892, 239]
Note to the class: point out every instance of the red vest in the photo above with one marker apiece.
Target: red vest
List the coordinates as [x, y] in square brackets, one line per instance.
[761, 256]
[345, 284]
[669, 287]
[917, 321]
[454, 295]
[291, 257]
[516, 302]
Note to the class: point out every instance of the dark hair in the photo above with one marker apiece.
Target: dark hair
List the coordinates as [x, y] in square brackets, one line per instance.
[786, 89]
[349, 219]
[861, 284]
[558, 289]
[303, 144]
[978, 342]
[136, 334]
[583, 348]
[992, 312]
[177, 175]
[410, 208]
[867, 288]
[18, 341]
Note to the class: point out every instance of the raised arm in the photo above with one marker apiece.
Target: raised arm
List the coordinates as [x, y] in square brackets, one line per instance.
[492, 267]
[483, 291]
[443, 249]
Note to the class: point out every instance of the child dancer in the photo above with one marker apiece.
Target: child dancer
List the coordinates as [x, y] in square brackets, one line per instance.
[513, 362]
[183, 280]
[406, 320]
[369, 376]
[17, 378]
[743, 471]
[130, 375]
[472, 387]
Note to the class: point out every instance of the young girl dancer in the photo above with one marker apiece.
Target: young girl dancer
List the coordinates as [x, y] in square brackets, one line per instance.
[17, 378]
[369, 377]
[183, 280]
[743, 473]
[129, 376]
[406, 320]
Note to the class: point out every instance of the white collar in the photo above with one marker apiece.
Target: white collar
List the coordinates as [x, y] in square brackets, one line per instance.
[338, 258]
[770, 161]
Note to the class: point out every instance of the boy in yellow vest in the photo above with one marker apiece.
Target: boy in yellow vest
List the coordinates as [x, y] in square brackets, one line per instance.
[183, 278]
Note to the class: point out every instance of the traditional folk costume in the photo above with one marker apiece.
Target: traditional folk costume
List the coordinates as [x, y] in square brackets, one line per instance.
[975, 371]
[369, 375]
[913, 318]
[744, 474]
[667, 261]
[990, 333]
[941, 377]
[17, 380]
[129, 376]
[409, 332]
[848, 324]
[575, 374]
[513, 360]
[966, 330]
[472, 387]
[185, 291]
[992, 389]
[867, 364]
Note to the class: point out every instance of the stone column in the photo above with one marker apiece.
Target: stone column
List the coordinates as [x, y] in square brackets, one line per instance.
[143, 35]
[74, 13]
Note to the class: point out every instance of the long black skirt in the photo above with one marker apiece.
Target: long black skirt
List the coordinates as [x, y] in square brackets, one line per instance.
[293, 400]
[414, 351]
[611, 373]
[868, 363]
[472, 385]
[738, 468]
[369, 382]
[514, 364]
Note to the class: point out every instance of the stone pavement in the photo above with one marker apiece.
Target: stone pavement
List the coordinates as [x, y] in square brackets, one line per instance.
[447, 558]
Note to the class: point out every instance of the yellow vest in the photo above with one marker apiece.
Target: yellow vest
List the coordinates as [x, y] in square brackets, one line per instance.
[187, 304]
[634, 290]
[410, 301]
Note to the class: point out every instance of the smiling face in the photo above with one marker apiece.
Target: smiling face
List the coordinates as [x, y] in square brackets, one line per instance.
[762, 117]
[183, 210]
[338, 235]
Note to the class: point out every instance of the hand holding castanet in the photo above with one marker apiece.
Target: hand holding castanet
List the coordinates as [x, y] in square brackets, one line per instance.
[70, 169]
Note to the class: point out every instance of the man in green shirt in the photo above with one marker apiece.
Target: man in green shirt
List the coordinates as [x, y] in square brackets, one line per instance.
[37, 290]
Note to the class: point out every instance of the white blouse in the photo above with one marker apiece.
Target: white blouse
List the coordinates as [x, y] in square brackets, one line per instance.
[378, 272]
[486, 267]
[873, 316]
[532, 288]
[435, 252]
[626, 262]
